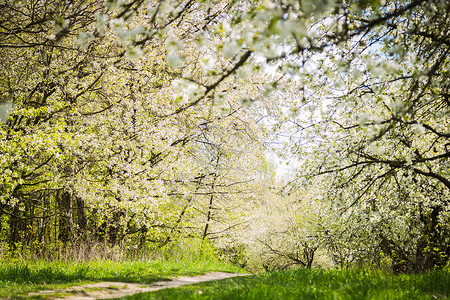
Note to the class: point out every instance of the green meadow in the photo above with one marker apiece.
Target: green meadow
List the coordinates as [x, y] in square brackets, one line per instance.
[315, 284]
[19, 278]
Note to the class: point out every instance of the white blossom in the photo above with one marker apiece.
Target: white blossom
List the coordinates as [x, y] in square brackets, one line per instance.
[376, 147]
[59, 24]
[102, 23]
[133, 53]
[418, 128]
[230, 49]
[84, 38]
[174, 60]
[5, 110]
[364, 119]
[208, 62]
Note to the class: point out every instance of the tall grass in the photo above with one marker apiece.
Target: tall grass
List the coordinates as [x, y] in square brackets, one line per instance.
[316, 284]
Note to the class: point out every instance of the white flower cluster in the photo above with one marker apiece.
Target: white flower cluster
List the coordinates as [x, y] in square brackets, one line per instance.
[186, 90]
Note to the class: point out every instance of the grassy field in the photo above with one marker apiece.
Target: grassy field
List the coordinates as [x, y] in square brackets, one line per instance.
[18, 278]
[315, 284]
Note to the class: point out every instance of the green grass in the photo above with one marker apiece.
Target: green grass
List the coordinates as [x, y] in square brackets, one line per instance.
[19, 278]
[315, 284]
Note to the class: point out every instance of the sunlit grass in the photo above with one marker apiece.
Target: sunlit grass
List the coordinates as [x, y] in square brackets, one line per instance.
[19, 278]
[315, 284]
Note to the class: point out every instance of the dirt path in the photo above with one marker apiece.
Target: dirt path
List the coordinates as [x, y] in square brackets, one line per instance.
[107, 290]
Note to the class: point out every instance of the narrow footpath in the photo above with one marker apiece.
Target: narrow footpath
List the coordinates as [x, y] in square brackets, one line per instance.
[108, 290]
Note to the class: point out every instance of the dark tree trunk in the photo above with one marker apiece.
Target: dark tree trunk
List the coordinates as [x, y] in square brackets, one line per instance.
[115, 230]
[15, 228]
[81, 218]
[65, 216]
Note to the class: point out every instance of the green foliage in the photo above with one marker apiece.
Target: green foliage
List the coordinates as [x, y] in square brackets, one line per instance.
[185, 249]
[316, 284]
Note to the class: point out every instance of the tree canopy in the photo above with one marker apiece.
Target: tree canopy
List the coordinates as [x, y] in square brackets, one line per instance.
[145, 121]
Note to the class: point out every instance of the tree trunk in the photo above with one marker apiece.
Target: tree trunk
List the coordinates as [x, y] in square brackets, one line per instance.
[81, 218]
[65, 216]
